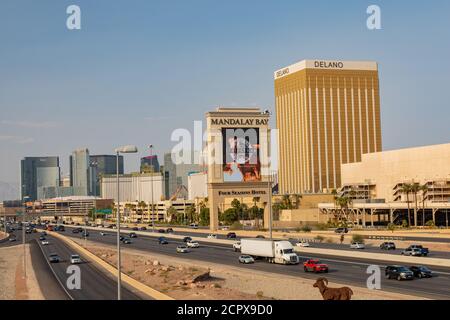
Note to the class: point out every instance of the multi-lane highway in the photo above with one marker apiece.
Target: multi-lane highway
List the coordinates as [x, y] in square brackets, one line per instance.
[96, 284]
[351, 271]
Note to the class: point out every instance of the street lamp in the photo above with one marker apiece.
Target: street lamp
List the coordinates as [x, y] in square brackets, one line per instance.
[151, 187]
[118, 151]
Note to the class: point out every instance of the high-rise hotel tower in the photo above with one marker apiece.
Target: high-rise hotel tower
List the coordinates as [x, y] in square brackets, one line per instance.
[328, 113]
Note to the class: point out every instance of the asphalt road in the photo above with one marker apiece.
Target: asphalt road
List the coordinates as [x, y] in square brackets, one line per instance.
[334, 246]
[52, 277]
[350, 271]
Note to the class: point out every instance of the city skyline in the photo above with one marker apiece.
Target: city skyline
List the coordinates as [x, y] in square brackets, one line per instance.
[77, 103]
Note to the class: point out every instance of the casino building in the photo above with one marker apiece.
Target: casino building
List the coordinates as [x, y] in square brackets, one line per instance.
[327, 114]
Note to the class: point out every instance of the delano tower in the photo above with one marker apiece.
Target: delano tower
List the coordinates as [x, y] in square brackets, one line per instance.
[328, 113]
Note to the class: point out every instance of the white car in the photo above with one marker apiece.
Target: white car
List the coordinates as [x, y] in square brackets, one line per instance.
[303, 244]
[192, 244]
[237, 246]
[103, 233]
[44, 242]
[212, 236]
[225, 228]
[182, 249]
[357, 245]
[75, 259]
[246, 259]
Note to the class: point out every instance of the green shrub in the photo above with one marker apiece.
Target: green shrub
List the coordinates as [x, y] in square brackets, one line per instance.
[322, 226]
[405, 224]
[306, 228]
[236, 226]
[319, 238]
[430, 223]
[358, 238]
[391, 227]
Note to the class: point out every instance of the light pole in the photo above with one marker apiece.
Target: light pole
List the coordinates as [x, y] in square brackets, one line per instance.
[270, 205]
[125, 149]
[151, 187]
[23, 236]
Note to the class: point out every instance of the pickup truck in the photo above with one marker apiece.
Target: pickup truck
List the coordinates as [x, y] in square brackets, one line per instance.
[424, 251]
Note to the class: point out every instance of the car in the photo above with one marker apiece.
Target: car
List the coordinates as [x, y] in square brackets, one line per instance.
[45, 242]
[194, 226]
[54, 258]
[421, 272]
[41, 238]
[142, 228]
[341, 230]
[133, 235]
[163, 240]
[28, 231]
[237, 246]
[387, 246]
[121, 238]
[187, 239]
[192, 244]
[75, 259]
[259, 236]
[231, 235]
[357, 245]
[246, 259]
[43, 233]
[103, 233]
[161, 231]
[135, 229]
[398, 272]
[85, 234]
[424, 251]
[127, 241]
[211, 236]
[415, 252]
[169, 230]
[182, 249]
[225, 228]
[303, 244]
[315, 265]
[12, 239]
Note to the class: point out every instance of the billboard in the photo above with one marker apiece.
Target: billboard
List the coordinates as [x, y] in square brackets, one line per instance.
[241, 158]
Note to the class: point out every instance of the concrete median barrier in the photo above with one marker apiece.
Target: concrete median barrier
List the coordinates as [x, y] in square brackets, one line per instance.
[125, 278]
[376, 256]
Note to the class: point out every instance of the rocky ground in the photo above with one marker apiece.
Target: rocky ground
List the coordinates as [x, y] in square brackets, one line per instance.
[13, 286]
[175, 277]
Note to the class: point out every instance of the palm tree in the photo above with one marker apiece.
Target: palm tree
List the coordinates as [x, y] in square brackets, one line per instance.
[424, 189]
[142, 205]
[415, 188]
[406, 188]
[343, 203]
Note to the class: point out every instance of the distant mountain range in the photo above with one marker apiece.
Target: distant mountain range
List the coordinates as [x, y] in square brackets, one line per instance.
[9, 191]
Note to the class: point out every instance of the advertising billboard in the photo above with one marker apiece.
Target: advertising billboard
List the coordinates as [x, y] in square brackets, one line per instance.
[241, 158]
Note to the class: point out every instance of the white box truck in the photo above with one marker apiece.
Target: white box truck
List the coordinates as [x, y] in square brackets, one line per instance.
[274, 251]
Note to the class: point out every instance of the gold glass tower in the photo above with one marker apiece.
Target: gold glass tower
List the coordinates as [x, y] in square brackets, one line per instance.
[328, 113]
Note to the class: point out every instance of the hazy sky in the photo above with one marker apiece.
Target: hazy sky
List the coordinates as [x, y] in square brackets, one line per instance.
[139, 69]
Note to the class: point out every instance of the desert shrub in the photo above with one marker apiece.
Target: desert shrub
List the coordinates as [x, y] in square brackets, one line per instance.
[358, 238]
[319, 238]
[306, 228]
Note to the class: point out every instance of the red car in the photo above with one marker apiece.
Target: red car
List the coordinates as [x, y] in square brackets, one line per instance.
[315, 265]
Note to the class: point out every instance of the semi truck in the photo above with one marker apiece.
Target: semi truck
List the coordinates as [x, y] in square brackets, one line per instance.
[273, 251]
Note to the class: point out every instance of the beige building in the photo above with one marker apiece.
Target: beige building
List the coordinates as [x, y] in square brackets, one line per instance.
[383, 173]
[328, 114]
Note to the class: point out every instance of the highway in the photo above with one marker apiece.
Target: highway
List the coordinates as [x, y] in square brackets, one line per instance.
[334, 246]
[350, 271]
[95, 284]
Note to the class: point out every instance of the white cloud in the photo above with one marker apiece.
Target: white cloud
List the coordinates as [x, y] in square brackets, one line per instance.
[30, 124]
[16, 139]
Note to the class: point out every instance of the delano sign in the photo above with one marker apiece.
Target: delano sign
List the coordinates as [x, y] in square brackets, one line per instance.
[239, 122]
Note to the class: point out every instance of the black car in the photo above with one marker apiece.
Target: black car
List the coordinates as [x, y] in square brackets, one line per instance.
[133, 235]
[259, 236]
[85, 234]
[121, 238]
[187, 239]
[421, 272]
[135, 229]
[169, 230]
[387, 246]
[41, 238]
[231, 235]
[162, 240]
[142, 228]
[162, 231]
[341, 230]
[398, 272]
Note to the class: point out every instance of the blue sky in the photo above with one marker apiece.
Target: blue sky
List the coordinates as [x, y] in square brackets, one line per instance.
[137, 70]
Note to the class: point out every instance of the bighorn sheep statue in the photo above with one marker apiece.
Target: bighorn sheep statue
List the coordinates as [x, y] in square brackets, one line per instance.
[344, 293]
